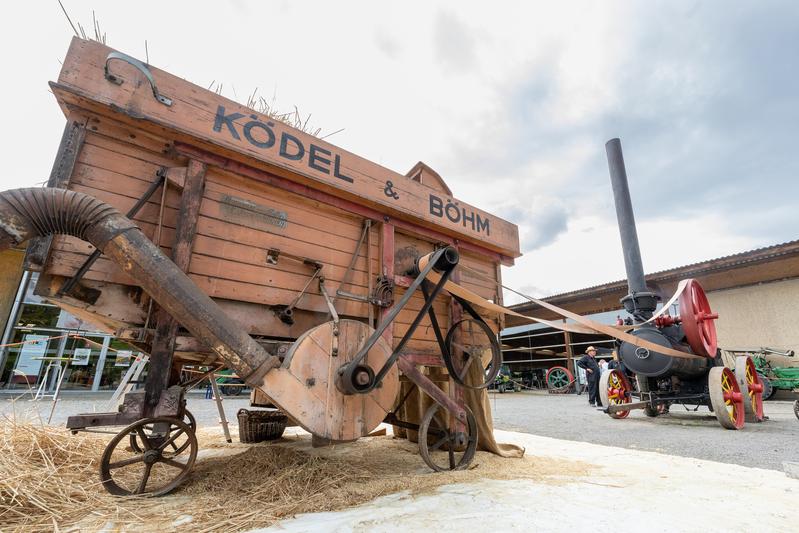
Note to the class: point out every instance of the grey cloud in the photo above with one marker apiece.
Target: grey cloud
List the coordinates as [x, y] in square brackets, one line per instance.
[540, 223]
[708, 116]
[454, 43]
[386, 44]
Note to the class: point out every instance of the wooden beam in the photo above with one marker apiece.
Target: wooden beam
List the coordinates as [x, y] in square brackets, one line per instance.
[161, 373]
[387, 267]
[71, 143]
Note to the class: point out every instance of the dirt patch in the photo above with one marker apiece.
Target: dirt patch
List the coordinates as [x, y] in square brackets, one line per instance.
[49, 481]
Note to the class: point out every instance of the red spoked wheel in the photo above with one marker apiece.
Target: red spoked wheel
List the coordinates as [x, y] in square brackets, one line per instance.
[750, 384]
[559, 378]
[726, 397]
[614, 388]
[697, 320]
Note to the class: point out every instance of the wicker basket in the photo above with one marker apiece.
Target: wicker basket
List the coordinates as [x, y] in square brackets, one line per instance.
[257, 426]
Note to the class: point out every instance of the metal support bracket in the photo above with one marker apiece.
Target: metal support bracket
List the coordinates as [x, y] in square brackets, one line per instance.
[141, 67]
[70, 284]
[443, 260]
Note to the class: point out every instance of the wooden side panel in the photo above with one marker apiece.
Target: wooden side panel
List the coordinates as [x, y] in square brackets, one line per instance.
[203, 118]
[240, 222]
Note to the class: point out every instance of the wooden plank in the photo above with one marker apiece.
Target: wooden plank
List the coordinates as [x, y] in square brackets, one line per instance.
[387, 247]
[200, 115]
[71, 143]
[161, 372]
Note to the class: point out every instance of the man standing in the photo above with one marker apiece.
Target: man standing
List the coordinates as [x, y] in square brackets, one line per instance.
[589, 363]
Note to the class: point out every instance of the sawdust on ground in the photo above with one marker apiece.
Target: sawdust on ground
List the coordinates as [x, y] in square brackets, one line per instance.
[49, 481]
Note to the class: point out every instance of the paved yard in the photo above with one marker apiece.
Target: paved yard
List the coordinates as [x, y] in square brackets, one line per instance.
[694, 434]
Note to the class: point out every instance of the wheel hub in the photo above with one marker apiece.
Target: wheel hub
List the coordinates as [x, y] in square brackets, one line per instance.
[151, 456]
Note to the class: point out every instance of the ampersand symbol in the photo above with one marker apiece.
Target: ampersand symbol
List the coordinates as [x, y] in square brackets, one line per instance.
[389, 190]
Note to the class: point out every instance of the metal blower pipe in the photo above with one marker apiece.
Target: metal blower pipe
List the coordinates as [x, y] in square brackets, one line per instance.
[27, 213]
[624, 214]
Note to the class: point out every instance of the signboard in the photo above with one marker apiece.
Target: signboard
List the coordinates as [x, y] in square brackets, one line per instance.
[80, 357]
[123, 358]
[27, 364]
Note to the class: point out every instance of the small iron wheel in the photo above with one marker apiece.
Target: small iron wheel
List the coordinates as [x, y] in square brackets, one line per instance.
[470, 343]
[726, 397]
[751, 386]
[436, 435]
[154, 471]
[173, 448]
[650, 410]
[768, 389]
[559, 378]
[614, 389]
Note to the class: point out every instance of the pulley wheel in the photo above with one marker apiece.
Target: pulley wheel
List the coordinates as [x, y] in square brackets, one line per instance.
[155, 470]
[173, 447]
[751, 386]
[440, 444]
[472, 343]
[614, 389]
[305, 385]
[697, 320]
[559, 378]
[726, 397]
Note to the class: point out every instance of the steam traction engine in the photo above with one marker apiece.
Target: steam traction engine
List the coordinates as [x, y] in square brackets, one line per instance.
[699, 378]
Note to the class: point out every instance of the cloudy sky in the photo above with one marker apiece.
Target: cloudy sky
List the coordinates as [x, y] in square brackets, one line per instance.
[511, 104]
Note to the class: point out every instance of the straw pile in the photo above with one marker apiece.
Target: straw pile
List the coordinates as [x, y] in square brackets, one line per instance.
[49, 481]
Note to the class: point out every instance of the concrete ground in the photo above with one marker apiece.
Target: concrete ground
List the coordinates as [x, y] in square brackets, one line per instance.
[687, 434]
[694, 434]
[639, 471]
[624, 490]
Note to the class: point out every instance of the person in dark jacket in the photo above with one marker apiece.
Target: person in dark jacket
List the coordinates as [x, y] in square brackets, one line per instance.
[589, 363]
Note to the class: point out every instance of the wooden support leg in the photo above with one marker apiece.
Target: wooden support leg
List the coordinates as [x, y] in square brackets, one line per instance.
[161, 374]
[219, 408]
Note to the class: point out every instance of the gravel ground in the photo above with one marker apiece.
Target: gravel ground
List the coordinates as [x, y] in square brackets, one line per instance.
[695, 434]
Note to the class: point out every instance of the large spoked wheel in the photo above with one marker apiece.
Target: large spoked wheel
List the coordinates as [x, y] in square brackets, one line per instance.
[559, 378]
[751, 386]
[796, 408]
[726, 397]
[155, 470]
[173, 447]
[614, 389]
[441, 446]
[471, 343]
[698, 320]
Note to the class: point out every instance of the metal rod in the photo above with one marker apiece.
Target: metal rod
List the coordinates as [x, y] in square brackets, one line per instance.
[71, 282]
[626, 218]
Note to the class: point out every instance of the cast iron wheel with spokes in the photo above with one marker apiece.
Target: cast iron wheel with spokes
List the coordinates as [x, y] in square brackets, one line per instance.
[437, 434]
[472, 342]
[726, 397]
[187, 417]
[644, 389]
[153, 471]
[559, 378]
[768, 389]
[614, 389]
[751, 387]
